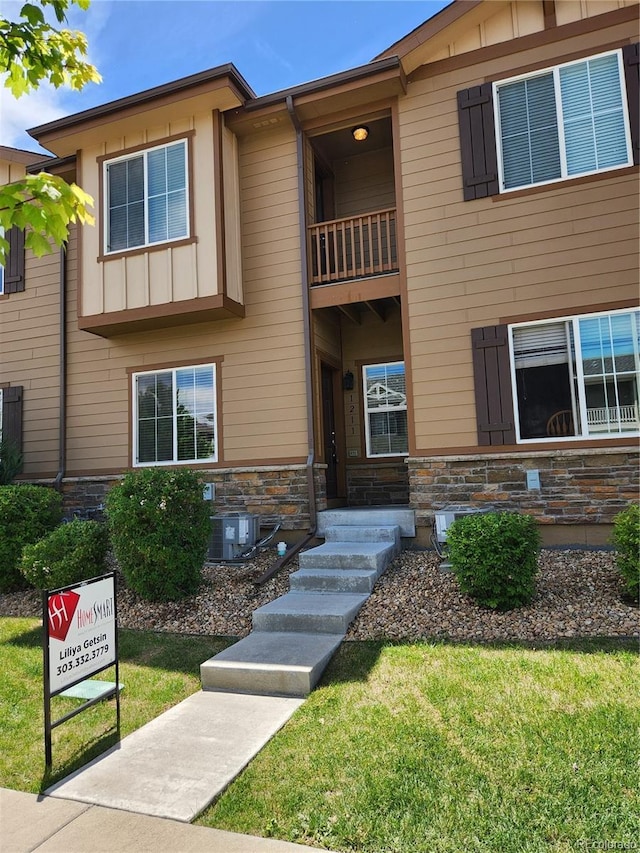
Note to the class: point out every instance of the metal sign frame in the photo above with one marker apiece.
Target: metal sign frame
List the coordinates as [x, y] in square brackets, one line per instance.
[80, 639]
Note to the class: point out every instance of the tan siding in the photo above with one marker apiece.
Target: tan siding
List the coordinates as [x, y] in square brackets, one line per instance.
[262, 372]
[474, 263]
[364, 183]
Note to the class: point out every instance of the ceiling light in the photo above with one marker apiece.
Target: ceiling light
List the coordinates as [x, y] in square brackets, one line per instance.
[360, 133]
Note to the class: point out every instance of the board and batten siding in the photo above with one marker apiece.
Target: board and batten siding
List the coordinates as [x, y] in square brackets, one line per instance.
[144, 278]
[476, 263]
[262, 415]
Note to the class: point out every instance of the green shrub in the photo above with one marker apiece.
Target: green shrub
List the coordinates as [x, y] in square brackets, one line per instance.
[494, 556]
[10, 461]
[71, 553]
[159, 527]
[626, 538]
[27, 513]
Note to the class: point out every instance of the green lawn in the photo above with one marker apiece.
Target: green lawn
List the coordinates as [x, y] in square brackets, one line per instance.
[411, 748]
[401, 749]
[157, 670]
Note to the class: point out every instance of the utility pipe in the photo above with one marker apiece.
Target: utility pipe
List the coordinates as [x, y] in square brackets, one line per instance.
[62, 414]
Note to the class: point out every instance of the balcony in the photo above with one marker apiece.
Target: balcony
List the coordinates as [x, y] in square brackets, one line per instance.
[355, 247]
[613, 419]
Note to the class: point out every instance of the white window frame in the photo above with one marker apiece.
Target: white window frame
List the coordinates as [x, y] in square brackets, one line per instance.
[144, 153]
[367, 411]
[581, 402]
[555, 70]
[135, 422]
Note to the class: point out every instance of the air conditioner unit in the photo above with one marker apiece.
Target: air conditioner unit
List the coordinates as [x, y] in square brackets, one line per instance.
[442, 520]
[231, 535]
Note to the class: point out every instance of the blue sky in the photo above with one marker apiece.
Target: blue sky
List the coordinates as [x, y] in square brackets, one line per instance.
[137, 44]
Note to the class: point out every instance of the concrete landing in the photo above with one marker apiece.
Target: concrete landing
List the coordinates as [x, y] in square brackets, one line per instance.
[271, 662]
[177, 764]
[377, 516]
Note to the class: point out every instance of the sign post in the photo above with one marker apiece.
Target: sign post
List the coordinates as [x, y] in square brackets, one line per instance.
[80, 639]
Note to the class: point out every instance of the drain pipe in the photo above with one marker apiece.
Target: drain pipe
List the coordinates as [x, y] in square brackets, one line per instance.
[311, 491]
[62, 415]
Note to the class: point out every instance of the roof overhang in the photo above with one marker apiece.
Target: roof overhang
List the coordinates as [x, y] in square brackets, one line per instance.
[221, 88]
[378, 81]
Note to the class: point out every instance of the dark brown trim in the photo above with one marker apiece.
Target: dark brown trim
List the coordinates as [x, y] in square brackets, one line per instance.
[173, 364]
[315, 87]
[537, 447]
[563, 59]
[572, 312]
[530, 42]
[204, 79]
[53, 165]
[219, 203]
[143, 250]
[447, 16]
[202, 309]
[549, 14]
[566, 183]
[631, 63]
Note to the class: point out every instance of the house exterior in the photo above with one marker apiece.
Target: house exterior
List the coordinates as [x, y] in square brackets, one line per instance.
[442, 312]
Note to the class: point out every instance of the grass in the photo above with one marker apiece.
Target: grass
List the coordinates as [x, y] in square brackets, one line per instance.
[158, 670]
[411, 748]
[401, 749]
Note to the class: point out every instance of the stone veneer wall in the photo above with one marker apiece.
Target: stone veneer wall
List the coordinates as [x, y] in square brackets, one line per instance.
[585, 487]
[276, 493]
[377, 485]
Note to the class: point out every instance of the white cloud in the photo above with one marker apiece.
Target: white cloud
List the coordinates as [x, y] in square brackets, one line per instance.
[39, 107]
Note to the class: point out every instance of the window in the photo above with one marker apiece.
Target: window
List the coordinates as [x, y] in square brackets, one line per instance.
[577, 377]
[385, 406]
[175, 415]
[562, 122]
[578, 118]
[146, 198]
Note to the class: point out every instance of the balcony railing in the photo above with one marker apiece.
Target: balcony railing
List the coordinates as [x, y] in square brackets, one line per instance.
[356, 247]
[613, 417]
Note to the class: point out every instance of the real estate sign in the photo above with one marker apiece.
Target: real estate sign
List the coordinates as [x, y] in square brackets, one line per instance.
[82, 632]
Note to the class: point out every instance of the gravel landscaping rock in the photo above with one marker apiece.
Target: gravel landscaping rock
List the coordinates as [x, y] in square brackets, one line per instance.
[578, 595]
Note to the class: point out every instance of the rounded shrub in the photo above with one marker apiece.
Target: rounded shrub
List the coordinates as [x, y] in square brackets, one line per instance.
[71, 553]
[159, 527]
[494, 556]
[27, 513]
[626, 538]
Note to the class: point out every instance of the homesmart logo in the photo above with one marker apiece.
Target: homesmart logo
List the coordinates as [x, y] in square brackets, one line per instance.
[61, 608]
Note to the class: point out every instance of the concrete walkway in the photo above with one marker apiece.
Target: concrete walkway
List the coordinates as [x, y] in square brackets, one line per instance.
[176, 765]
[30, 823]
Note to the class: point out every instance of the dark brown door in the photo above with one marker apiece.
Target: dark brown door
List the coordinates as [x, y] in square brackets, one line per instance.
[329, 431]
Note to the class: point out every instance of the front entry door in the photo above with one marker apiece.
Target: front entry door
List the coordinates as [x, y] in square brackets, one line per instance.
[330, 445]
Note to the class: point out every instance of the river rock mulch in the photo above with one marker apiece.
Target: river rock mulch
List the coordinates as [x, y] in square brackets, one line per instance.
[578, 595]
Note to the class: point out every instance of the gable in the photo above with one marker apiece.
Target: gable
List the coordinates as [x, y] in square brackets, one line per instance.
[470, 25]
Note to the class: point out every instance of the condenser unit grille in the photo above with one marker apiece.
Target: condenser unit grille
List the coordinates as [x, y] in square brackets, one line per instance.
[231, 535]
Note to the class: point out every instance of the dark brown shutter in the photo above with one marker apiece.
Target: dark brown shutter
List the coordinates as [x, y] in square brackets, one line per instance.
[14, 264]
[492, 379]
[478, 142]
[12, 415]
[631, 60]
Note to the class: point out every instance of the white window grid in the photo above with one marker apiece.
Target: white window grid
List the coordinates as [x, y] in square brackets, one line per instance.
[555, 70]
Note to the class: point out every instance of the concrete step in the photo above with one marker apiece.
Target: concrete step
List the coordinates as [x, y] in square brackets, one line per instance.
[334, 580]
[271, 663]
[363, 533]
[349, 555]
[308, 612]
[403, 517]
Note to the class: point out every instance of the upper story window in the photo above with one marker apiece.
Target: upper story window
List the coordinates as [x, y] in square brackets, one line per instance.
[147, 197]
[577, 377]
[174, 417]
[385, 409]
[562, 122]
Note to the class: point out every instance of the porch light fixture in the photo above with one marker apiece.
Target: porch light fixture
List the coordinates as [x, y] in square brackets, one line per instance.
[347, 381]
[360, 132]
